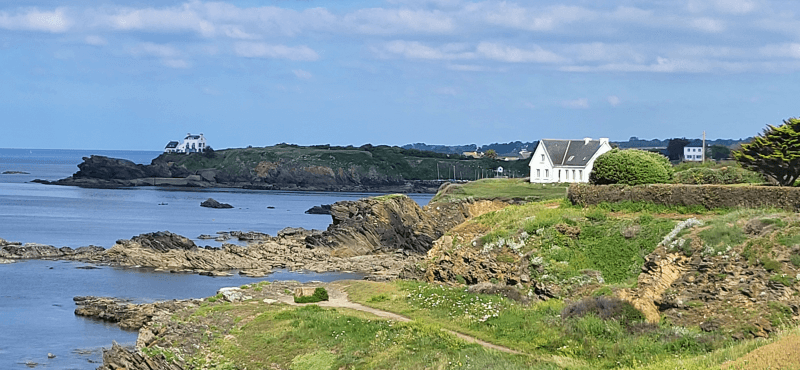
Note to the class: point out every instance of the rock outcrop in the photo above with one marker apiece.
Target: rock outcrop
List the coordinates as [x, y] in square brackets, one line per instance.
[213, 203]
[324, 209]
[15, 250]
[393, 223]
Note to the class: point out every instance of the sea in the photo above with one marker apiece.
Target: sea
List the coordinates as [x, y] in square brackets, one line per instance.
[36, 306]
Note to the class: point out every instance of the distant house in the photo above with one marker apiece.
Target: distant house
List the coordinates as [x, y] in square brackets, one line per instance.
[473, 154]
[191, 144]
[693, 152]
[565, 160]
[172, 147]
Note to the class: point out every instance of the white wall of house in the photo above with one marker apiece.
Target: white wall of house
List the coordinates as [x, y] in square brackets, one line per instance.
[692, 154]
[544, 171]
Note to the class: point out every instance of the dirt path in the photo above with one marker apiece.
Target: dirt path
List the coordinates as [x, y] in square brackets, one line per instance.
[337, 298]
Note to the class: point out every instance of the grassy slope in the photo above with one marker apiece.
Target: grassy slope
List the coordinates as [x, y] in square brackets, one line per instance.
[504, 188]
[309, 337]
[392, 162]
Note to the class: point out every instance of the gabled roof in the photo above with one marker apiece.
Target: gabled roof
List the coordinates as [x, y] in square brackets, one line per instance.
[696, 143]
[570, 152]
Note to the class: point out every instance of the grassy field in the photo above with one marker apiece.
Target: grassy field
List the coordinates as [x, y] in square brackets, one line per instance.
[503, 188]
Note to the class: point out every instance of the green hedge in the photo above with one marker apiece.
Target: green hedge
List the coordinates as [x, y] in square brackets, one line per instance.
[631, 167]
[708, 196]
[720, 176]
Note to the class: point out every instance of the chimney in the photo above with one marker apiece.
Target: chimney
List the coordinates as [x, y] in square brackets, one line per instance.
[586, 140]
[604, 140]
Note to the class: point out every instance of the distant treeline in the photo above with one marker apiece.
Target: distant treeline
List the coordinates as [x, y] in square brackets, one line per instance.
[514, 147]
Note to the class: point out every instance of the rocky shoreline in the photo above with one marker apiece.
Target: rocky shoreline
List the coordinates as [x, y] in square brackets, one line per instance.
[382, 238]
[110, 173]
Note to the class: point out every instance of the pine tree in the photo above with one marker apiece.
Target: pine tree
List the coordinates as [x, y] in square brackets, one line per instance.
[775, 153]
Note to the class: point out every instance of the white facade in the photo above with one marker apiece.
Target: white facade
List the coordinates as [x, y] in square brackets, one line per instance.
[692, 154]
[574, 163]
[191, 144]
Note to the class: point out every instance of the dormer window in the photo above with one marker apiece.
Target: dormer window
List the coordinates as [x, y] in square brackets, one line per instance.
[570, 158]
[542, 157]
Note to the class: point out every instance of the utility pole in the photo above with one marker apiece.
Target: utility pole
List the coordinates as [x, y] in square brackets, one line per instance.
[704, 147]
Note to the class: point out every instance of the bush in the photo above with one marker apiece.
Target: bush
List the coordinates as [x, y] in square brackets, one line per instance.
[631, 167]
[320, 294]
[721, 176]
[606, 308]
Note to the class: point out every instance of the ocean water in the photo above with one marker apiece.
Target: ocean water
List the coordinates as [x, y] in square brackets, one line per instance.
[36, 308]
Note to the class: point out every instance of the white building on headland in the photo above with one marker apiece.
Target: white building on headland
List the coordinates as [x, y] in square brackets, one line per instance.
[566, 160]
[191, 144]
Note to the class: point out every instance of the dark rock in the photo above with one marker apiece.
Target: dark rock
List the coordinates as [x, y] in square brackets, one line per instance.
[211, 203]
[15, 173]
[324, 209]
[162, 241]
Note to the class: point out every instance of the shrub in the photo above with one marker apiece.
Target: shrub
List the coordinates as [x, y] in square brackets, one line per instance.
[604, 307]
[722, 176]
[631, 167]
[320, 294]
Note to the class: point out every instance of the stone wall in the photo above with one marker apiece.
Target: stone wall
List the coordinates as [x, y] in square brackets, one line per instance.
[709, 196]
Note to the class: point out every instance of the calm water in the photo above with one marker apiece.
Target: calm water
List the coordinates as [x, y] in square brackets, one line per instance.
[36, 308]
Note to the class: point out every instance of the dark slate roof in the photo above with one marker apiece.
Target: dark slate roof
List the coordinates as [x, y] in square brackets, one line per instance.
[172, 144]
[570, 152]
[695, 143]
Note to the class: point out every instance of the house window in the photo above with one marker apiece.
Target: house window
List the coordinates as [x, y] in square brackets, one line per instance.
[559, 175]
[573, 174]
[538, 172]
[542, 157]
[566, 174]
[546, 173]
[580, 175]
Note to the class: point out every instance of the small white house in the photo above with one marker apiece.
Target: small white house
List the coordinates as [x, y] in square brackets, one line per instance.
[566, 160]
[191, 144]
[693, 152]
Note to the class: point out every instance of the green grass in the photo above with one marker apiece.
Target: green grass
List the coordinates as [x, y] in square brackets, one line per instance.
[504, 188]
[538, 329]
[311, 337]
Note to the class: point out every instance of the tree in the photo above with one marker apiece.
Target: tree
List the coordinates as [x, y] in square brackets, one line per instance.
[630, 167]
[675, 148]
[490, 154]
[719, 152]
[775, 153]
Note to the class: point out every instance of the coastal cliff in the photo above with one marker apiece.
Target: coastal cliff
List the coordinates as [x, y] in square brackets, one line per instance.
[290, 167]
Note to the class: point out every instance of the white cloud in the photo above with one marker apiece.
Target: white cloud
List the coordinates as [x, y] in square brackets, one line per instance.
[380, 21]
[95, 40]
[723, 6]
[55, 21]
[176, 63]
[417, 50]
[614, 100]
[263, 50]
[512, 54]
[791, 50]
[301, 74]
[582, 103]
[708, 25]
[514, 16]
[154, 50]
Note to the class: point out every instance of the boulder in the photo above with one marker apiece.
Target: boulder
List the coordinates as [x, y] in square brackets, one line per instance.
[212, 203]
[161, 241]
[324, 209]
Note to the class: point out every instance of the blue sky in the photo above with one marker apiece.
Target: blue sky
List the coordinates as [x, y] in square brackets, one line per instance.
[136, 74]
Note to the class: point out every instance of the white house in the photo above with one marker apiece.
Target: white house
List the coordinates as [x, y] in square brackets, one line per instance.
[566, 160]
[693, 152]
[191, 144]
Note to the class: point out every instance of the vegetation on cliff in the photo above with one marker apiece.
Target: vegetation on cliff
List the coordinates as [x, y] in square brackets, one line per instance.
[367, 161]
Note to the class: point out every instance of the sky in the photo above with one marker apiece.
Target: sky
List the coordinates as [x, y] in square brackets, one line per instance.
[135, 74]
